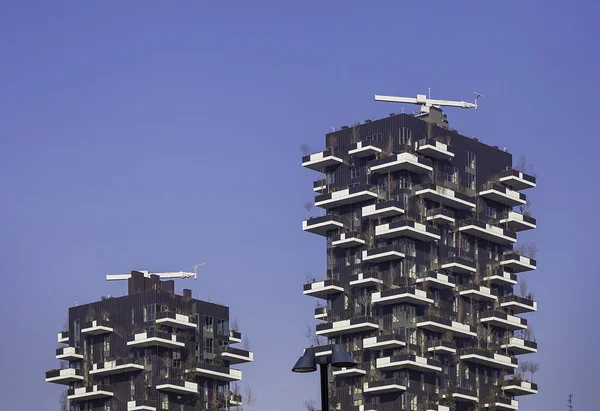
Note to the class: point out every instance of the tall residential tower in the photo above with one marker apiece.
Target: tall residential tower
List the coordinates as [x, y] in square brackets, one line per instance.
[421, 228]
[149, 350]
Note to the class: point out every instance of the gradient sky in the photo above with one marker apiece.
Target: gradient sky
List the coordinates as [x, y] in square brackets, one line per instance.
[157, 135]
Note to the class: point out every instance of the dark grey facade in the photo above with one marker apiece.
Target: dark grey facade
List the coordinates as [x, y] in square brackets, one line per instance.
[422, 261]
[149, 350]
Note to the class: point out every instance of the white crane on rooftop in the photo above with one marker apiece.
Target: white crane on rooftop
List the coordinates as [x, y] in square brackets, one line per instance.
[147, 274]
[426, 103]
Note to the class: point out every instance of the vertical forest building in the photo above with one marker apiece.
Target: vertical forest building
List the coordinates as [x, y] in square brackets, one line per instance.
[149, 350]
[421, 226]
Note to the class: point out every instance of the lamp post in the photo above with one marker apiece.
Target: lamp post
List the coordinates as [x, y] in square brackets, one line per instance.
[308, 363]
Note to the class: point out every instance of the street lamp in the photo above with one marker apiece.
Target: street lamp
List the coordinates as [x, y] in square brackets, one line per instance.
[308, 363]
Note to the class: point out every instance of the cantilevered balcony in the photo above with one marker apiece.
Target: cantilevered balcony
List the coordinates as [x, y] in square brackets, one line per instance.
[402, 295]
[97, 327]
[320, 185]
[402, 161]
[346, 240]
[445, 196]
[437, 280]
[517, 346]
[407, 228]
[155, 338]
[383, 342]
[323, 224]
[322, 289]
[353, 325]
[488, 232]
[320, 161]
[441, 216]
[141, 405]
[218, 373]
[172, 319]
[441, 347]
[177, 386]
[369, 279]
[435, 149]
[236, 400]
[464, 394]
[500, 320]
[235, 337]
[518, 305]
[517, 180]
[69, 354]
[348, 372]
[484, 357]
[64, 376]
[385, 386]
[518, 222]
[409, 361]
[502, 404]
[384, 209]
[63, 337]
[515, 387]
[237, 356]
[384, 253]
[93, 392]
[321, 313]
[477, 292]
[517, 263]
[443, 325]
[500, 277]
[365, 148]
[347, 196]
[459, 265]
[118, 366]
[502, 194]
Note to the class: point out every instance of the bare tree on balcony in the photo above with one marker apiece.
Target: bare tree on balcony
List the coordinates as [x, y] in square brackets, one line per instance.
[392, 276]
[310, 405]
[364, 299]
[246, 342]
[389, 145]
[312, 337]
[421, 208]
[533, 367]
[63, 401]
[525, 209]
[234, 325]
[249, 398]
[460, 309]
[305, 148]
[483, 335]
[526, 249]
[523, 287]
[308, 206]
[331, 263]
[390, 184]
[309, 278]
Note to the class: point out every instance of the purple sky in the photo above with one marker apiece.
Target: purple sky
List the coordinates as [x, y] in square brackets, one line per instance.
[135, 135]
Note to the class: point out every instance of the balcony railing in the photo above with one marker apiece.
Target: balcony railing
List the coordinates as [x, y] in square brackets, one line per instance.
[517, 179]
[441, 211]
[487, 231]
[373, 385]
[517, 299]
[441, 343]
[445, 195]
[347, 196]
[502, 194]
[489, 355]
[397, 157]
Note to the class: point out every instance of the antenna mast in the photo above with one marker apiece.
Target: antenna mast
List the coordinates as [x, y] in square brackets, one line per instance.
[570, 402]
[426, 103]
[171, 274]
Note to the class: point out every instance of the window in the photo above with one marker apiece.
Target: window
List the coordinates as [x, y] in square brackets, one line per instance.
[451, 174]
[133, 316]
[405, 136]
[77, 331]
[176, 359]
[208, 345]
[330, 176]
[490, 211]
[107, 405]
[376, 137]
[149, 312]
[106, 351]
[485, 377]
[469, 159]
[164, 401]
[354, 172]
[208, 323]
[405, 182]
[470, 180]
[222, 326]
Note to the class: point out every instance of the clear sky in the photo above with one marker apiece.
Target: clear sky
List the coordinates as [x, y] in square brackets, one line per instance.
[157, 135]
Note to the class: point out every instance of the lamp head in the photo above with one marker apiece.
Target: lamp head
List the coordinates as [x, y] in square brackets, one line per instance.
[307, 362]
[340, 358]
